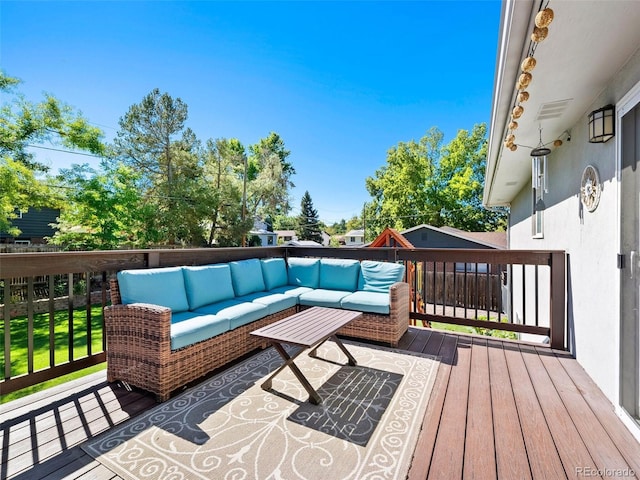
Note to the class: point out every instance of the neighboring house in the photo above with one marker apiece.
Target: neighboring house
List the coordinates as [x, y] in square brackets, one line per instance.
[34, 225]
[267, 238]
[584, 199]
[286, 235]
[426, 236]
[354, 238]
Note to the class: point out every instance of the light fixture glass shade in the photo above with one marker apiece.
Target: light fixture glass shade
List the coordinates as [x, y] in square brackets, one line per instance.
[602, 124]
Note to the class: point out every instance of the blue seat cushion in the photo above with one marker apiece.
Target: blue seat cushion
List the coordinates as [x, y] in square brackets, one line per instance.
[274, 272]
[303, 272]
[379, 276]
[275, 302]
[207, 284]
[291, 291]
[158, 286]
[188, 328]
[372, 302]
[246, 276]
[323, 298]
[339, 274]
[238, 313]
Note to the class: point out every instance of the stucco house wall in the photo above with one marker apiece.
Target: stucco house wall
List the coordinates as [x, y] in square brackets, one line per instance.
[591, 239]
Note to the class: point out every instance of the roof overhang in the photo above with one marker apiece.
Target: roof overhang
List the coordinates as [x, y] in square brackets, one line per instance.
[587, 45]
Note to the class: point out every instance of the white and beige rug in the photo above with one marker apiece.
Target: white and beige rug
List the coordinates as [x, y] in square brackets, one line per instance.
[229, 428]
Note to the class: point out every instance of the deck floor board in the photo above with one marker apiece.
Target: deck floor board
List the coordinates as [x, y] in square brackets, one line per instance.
[499, 409]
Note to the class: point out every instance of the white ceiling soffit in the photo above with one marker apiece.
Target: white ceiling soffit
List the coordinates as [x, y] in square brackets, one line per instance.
[587, 44]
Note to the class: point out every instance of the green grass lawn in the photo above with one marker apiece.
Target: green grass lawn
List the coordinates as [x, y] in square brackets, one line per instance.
[41, 360]
[475, 330]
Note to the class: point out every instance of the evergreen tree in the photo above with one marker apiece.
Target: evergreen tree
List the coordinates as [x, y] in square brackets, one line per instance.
[308, 222]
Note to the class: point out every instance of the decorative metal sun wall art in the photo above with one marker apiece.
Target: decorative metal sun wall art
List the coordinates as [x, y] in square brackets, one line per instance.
[590, 188]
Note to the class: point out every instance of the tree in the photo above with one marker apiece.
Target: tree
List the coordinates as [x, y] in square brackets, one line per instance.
[308, 223]
[153, 140]
[223, 171]
[426, 182]
[460, 181]
[269, 178]
[20, 191]
[339, 228]
[23, 124]
[354, 223]
[103, 211]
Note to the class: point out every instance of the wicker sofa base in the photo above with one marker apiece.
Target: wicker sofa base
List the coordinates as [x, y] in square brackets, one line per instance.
[140, 355]
[375, 327]
[139, 341]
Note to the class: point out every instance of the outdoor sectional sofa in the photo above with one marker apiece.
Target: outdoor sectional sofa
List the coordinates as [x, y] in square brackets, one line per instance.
[169, 326]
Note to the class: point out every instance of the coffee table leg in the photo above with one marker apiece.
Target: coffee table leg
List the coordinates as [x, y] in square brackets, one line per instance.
[288, 361]
[352, 361]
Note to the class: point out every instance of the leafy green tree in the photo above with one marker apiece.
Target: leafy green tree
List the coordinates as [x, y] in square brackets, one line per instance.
[23, 124]
[154, 141]
[460, 181]
[223, 171]
[103, 211]
[308, 223]
[269, 178]
[340, 228]
[427, 182]
[354, 223]
[20, 191]
[402, 189]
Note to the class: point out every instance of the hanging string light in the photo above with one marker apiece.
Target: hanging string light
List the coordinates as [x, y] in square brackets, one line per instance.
[543, 19]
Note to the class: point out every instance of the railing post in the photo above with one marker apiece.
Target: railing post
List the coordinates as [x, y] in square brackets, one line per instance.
[153, 259]
[558, 300]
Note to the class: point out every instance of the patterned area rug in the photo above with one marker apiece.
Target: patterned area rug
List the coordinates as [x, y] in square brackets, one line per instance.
[229, 428]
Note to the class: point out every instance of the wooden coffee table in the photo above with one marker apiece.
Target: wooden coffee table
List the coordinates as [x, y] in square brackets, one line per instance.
[307, 329]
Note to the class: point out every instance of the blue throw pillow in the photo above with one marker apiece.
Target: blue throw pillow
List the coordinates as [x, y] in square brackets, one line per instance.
[339, 274]
[246, 276]
[379, 276]
[207, 284]
[274, 272]
[304, 272]
[158, 286]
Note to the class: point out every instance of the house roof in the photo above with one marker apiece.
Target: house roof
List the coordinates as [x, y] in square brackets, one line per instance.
[587, 44]
[495, 239]
[488, 239]
[355, 233]
[303, 243]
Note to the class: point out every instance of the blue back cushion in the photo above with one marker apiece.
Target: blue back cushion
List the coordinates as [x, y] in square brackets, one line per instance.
[274, 272]
[379, 276]
[246, 276]
[339, 274]
[158, 286]
[304, 272]
[207, 284]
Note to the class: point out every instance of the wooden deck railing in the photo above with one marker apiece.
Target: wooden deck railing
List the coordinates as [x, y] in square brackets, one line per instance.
[517, 291]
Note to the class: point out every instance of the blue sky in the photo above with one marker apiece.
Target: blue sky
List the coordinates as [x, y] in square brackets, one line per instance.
[340, 82]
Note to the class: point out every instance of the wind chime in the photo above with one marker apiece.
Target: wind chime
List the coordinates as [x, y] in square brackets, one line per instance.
[540, 180]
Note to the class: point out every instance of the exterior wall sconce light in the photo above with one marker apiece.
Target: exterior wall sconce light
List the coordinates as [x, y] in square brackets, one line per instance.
[602, 124]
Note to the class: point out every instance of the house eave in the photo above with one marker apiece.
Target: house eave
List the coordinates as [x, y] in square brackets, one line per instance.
[588, 44]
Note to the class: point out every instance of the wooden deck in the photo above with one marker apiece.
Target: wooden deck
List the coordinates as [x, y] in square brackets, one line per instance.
[499, 409]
